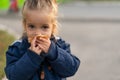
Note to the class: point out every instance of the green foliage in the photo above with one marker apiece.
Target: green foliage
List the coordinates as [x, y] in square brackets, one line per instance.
[5, 40]
[4, 4]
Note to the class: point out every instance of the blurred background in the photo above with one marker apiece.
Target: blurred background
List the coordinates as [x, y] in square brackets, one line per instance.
[92, 27]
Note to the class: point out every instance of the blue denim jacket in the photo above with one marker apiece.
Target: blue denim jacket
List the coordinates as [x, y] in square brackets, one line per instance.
[24, 64]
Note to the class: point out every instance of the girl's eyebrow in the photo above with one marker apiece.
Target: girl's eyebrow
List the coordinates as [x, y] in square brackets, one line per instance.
[46, 24]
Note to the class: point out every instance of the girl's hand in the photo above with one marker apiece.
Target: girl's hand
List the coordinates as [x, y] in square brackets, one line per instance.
[35, 47]
[44, 44]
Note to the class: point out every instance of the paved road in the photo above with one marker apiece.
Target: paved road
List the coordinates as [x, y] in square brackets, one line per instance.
[97, 10]
[12, 25]
[95, 43]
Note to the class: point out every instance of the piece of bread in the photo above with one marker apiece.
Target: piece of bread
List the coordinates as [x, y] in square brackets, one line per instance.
[42, 36]
[30, 39]
[38, 37]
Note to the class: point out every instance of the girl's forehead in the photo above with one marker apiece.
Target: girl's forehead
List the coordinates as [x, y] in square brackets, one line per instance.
[36, 16]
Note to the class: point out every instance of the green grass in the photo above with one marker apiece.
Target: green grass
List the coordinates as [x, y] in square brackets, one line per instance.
[5, 40]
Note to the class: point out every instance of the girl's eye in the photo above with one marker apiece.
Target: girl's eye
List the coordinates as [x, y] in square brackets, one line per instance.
[45, 27]
[31, 26]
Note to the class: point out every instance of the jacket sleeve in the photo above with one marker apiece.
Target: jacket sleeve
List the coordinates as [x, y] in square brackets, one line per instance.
[62, 61]
[21, 68]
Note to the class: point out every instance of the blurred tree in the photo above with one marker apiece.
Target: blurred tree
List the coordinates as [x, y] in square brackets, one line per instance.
[20, 3]
[4, 4]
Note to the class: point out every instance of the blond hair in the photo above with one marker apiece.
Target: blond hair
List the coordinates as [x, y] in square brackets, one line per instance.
[41, 5]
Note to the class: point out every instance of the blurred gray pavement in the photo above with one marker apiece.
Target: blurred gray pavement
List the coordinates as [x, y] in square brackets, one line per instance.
[93, 32]
[90, 11]
[97, 45]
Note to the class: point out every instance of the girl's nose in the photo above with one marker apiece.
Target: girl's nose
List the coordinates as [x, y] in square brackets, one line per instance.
[37, 32]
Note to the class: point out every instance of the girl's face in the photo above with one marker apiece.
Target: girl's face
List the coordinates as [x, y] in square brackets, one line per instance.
[38, 22]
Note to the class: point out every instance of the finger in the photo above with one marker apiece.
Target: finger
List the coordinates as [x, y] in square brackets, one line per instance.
[39, 41]
[43, 39]
[44, 48]
[43, 42]
[41, 46]
[33, 41]
[38, 50]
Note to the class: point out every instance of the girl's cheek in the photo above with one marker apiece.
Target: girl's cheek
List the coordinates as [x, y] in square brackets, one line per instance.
[48, 34]
[30, 33]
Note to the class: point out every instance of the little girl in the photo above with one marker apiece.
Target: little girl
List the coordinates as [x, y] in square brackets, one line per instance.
[45, 58]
